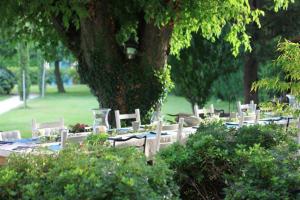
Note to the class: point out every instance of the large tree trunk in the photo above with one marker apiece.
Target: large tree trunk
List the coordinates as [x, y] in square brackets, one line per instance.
[118, 82]
[58, 79]
[251, 62]
[250, 76]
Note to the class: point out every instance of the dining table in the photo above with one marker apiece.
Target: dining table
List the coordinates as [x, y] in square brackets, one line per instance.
[33, 145]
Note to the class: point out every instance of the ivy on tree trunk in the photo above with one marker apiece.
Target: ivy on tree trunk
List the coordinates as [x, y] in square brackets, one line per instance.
[118, 82]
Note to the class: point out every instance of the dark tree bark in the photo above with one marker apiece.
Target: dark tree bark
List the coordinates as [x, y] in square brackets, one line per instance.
[251, 63]
[58, 79]
[118, 82]
[250, 76]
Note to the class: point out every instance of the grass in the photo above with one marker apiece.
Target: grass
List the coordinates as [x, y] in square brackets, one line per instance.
[74, 106]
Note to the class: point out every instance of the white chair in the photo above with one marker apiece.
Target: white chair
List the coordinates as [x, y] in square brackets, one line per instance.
[204, 111]
[48, 128]
[10, 135]
[252, 118]
[198, 111]
[246, 107]
[173, 127]
[180, 138]
[71, 139]
[120, 117]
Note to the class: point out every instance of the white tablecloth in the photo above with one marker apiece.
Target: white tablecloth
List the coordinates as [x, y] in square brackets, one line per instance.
[150, 149]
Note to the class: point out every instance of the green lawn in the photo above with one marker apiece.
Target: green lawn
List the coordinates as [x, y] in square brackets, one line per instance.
[3, 97]
[74, 106]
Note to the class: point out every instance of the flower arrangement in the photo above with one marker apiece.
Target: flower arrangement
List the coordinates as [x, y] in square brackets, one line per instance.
[78, 128]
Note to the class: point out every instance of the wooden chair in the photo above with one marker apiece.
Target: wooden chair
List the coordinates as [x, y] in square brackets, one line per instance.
[198, 112]
[173, 127]
[42, 129]
[120, 117]
[10, 135]
[76, 139]
[246, 107]
[210, 111]
[253, 117]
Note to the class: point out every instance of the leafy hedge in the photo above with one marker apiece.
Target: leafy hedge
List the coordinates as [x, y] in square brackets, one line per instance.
[257, 162]
[7, 81]
[103, 173]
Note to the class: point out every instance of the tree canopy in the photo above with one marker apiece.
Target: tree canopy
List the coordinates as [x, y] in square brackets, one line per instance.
[98, 32]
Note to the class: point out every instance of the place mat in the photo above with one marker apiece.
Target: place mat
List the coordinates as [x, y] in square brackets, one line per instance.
[162, 133]
[232, 123]
[271, 119]
[55, 147]
[5, 142]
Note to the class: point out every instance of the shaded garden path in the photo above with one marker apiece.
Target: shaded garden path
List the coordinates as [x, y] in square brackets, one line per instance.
[13, 102]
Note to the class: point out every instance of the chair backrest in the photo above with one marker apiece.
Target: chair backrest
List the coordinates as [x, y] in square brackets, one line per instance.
[178, 127]
[180, 131]
[120, 117]
[254, 117]
[171, 127]
[246, 107]
[203, 111]
[36, 127]
[10, 135]
[241, 119]
[198, 111]
[158, 135]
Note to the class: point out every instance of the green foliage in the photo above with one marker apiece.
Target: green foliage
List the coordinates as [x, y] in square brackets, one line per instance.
[164, 77]
[97, 33]
[289, 63]
[229, 87]
[286, 75]
[97, 139]
[199, 66]
[7, 81]
[102, 173]
[256, 162]
[264, 175]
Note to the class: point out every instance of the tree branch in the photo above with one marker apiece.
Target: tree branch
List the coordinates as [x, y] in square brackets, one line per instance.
[70, 36]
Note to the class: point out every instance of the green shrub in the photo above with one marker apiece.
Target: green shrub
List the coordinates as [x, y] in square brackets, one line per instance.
[103, 173]
[257, 162]
[264, 175]
[7, 81]
[97, 139]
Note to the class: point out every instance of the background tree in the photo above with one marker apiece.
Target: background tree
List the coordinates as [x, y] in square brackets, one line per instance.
[228, 87]
[101, 33]
[199, 66]
[56, 52]
[288, 77]
[23, 52]
[264, 40]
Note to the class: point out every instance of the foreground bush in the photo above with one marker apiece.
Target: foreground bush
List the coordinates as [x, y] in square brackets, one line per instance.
[257, 162]
[7, 81]
[103, 173]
